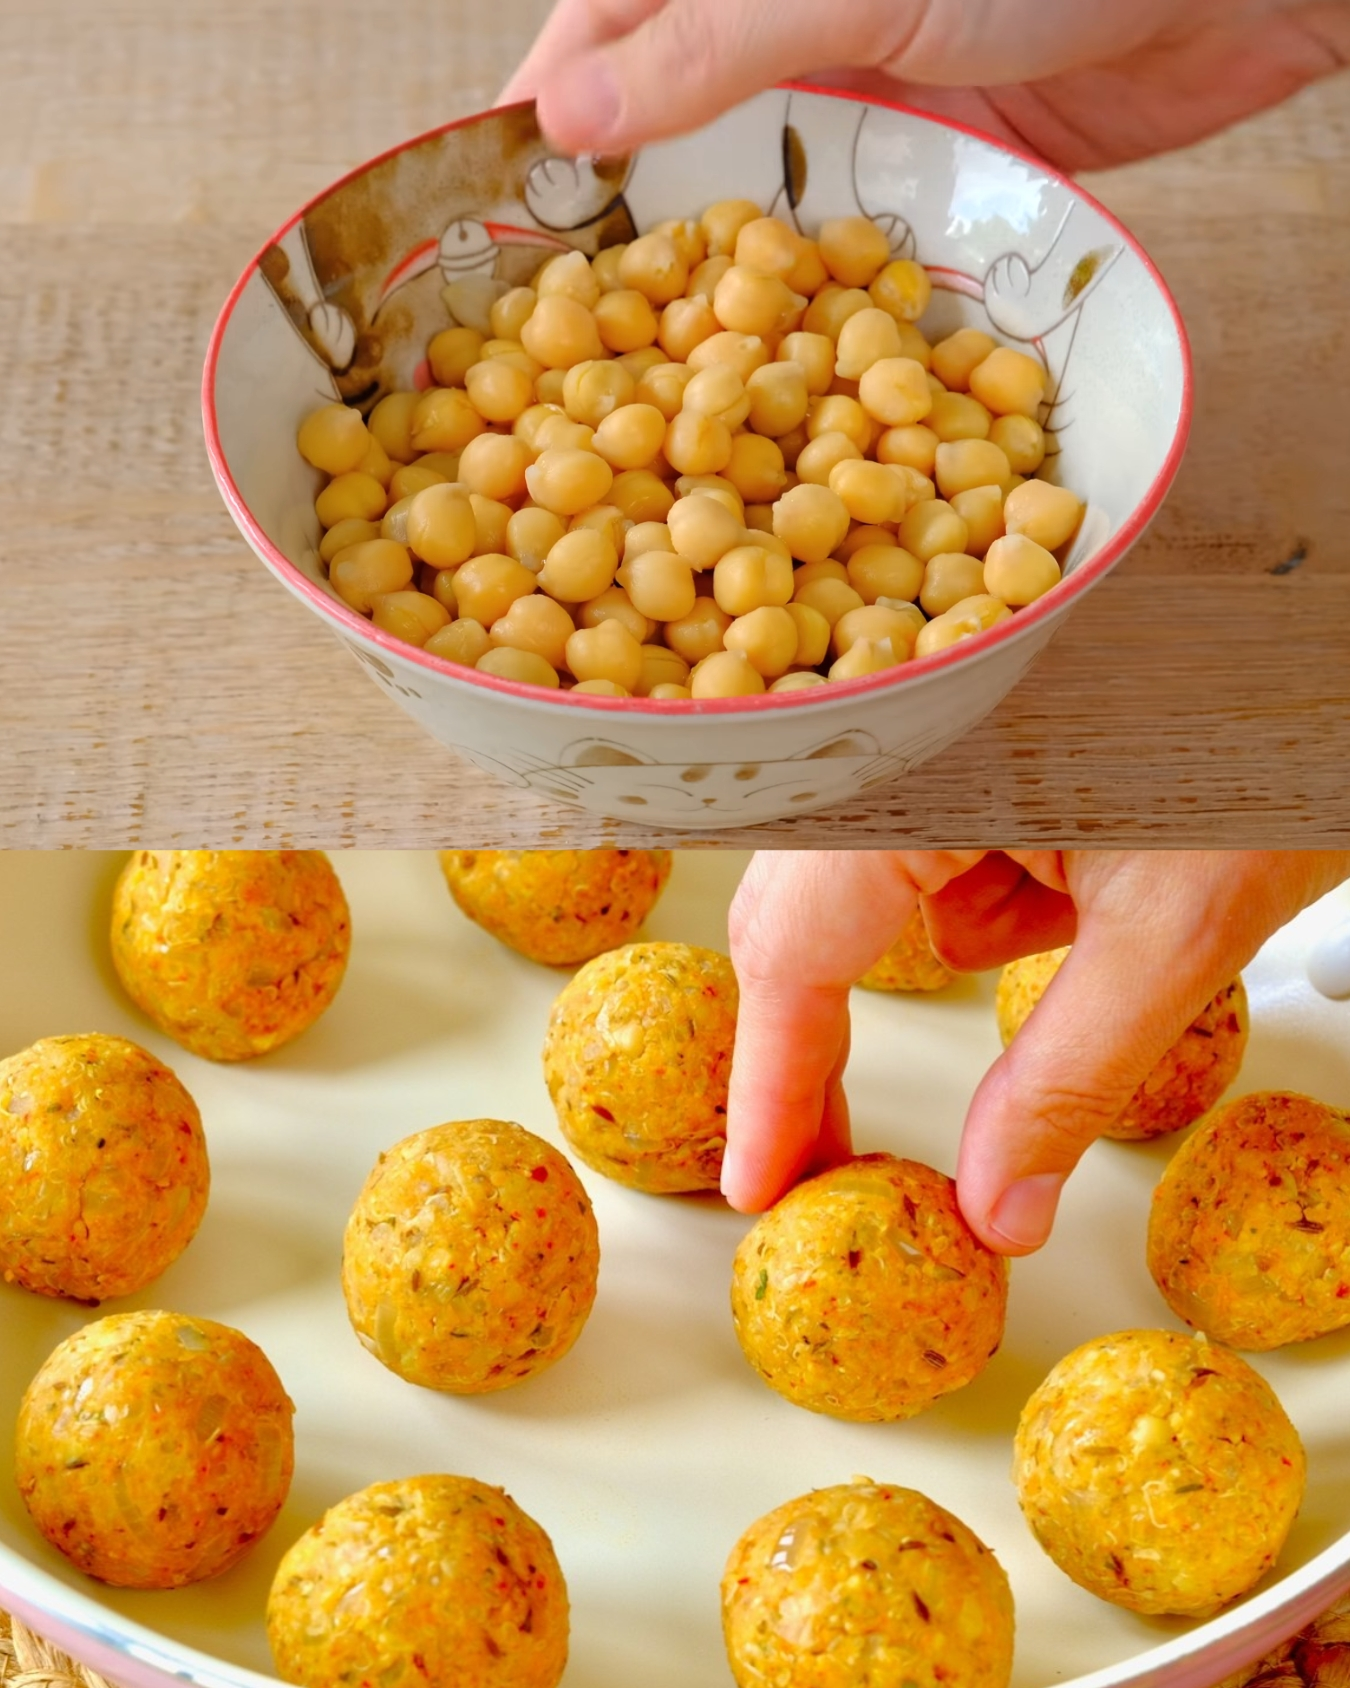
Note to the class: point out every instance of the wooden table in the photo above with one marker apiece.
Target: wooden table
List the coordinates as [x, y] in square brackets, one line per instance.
[158, 688]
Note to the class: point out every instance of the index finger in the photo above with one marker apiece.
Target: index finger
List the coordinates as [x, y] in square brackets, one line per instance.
[573, 27]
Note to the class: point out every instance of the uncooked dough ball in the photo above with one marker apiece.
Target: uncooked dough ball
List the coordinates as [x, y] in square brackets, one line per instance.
[637, 1060]
[231, 952]
[1186, 1082]
[471, 1257]
[864, 1294]
[103, 1169]
[1249, 1234]
[909, 964]
[429, 1582]
[154, 1449]
[1159, 1471]
[865, 1585]
[560, 907]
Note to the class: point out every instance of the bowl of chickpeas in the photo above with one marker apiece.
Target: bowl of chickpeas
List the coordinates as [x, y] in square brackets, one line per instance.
[711, 485]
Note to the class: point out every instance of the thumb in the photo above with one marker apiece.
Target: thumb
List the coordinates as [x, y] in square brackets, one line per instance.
[693, 59]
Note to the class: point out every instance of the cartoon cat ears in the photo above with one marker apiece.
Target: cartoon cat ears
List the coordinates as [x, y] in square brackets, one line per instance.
[604, 753]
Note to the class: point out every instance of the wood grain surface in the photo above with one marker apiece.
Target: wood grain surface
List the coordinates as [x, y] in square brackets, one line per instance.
[158, 688]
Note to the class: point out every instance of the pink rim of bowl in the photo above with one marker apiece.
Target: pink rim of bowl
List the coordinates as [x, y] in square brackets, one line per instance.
[1058, 598]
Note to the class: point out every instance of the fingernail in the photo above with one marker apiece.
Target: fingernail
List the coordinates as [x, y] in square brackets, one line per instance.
[583, 103]
[1025, 1211]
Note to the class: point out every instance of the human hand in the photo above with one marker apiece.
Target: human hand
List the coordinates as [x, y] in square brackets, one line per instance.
[1155, 935]
[1084, 83]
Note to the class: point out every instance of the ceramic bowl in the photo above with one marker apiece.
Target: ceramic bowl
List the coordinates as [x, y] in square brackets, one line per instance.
[342, 302]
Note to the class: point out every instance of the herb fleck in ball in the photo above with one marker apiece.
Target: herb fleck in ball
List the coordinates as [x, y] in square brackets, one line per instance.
[559, 907]
[909, 964]
[103, 1168]
[154, 1449]
[637, 1061]
[429, 1582]
[864, 1294]
[230, 952]
[471, 1257]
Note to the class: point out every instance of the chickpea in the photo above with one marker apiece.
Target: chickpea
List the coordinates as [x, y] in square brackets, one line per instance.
[350, 497]
[962, 621]
[832, 307]
[948, 579]
[836, 414]
[570, 274]
[766, 246]
[490, 519]
[377, 463]
[443, 419]
[596, 389]
[854, 249]
[498, 391]
[560, 332]
[668, 694]
[603, 518]
[913, 447]
[442, 529]
[829, 598]
[749, 577]
[641, 495]
[548, 389]
[964, 464]
[394, 522]
[442, 589]
[686, 323]
[828, 568]
[818, 458]
[885, 571]
[703, 530]
[866, 338]
[509, 314]
[896, 392]
[411, 478]
[841, 387]
[726, 674]
[861, 534]
[697, 444]
[661, 667]
[444, 463]
[810, 520]
[813, 634]
[744, 352]
[486, 587]
[792, 445]
[579, 567]
[660, 585]
[878, 622]
[625, 321]
[800, 680]
[814, 355]
[778, 398]
[631, 436]
[605, 266]
[614, 604]
[352, 530]
[690, 241]
[723, 221]
[410, 616]
[871, 492]
[535, 623]
[767, 638]
[1019, 571]
[514, 356]
[364, 572]
[334, 439]
[452, 353]
[698, 634]
[981, 509]
[663, 388]
[720, 392]
[759, 521]
[921, 489]
[914, 345]
[558, 432]
[808, 275]
[1044, 512]
[1009, 383]
[494, 466]
[606, 652]
[865, 656]
[647, 536]
[391, 423]
[703, 282]
[463, 642]
[652, 265]
[748, 302]
[756, 468]
[568, 481]
[955, 357]
[957, 416]
[600, 688]
[526, 668]
[531, 534]
[1023, 441]
[902, 289]
[930, 528]
[527, 425]
[639, 362]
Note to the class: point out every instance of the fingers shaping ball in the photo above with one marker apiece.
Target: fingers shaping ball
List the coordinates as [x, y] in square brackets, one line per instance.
[864, 1294]
[637, 1060]
[909, 964]
[1159, 1471]
[1249, 1234]
[560, 907]
[471, 1257]
[103, 1168]
[154, 1449]
[429, 1582]
[862, 1586]
[1186, 1082]
[230, 952]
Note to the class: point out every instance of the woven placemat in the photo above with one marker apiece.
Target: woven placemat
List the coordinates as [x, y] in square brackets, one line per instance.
[1317, 1657]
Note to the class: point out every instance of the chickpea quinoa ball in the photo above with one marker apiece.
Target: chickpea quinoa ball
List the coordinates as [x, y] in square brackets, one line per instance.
[1188, 1080]
[103, 1168]
[1249, 1233]
[909, 964]
[637, 1061]
[865, 1585]
[864, 1294]
[230, 952]
[1159, 1471]
[559, 907]
[154, 1449]
[471, 1257]
[428, 1582]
